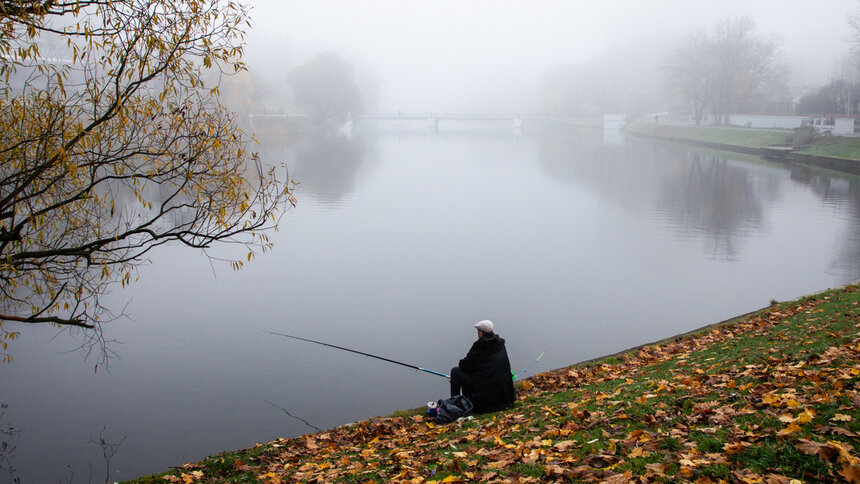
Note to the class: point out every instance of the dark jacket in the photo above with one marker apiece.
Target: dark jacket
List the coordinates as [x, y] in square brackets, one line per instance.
[488, 383]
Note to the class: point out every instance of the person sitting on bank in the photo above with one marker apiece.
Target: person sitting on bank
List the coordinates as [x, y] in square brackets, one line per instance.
[484, 375]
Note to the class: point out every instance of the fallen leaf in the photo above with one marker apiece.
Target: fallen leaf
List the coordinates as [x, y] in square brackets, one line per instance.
[704, 480]
[747, 476]
[638, 452]
[850, 473]
[547, 409]
[776, 479]
[489, 476]
[786, 418]
[271, 477]
[792, 428]
[531, 458]
[734, 448]
[805, 416]
[836, 430]
[601, 461]
[564, 444]
[638, 436]
[825, 451]
[624, 478]
[499, 464]
[658, 468]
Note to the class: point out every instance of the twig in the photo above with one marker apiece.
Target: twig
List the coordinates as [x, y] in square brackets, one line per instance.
[293, 416]
[109, 450]
[8, 442]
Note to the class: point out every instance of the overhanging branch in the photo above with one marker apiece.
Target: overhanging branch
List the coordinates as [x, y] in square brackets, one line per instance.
[48, 319]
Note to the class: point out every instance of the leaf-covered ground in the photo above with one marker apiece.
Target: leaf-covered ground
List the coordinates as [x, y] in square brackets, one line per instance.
[772, 398]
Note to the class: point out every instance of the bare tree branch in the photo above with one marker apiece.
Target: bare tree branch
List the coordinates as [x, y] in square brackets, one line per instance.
[115, 147]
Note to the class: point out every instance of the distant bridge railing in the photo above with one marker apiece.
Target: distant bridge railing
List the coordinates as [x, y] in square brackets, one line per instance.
[516, 120]
[435, 118]
[417, 116]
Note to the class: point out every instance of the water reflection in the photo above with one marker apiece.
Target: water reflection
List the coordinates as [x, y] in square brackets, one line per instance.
[842, 194]
[712, 196]
[613, 137]
[847, 263]
[707, 195]
[9, 436]
[326, 166]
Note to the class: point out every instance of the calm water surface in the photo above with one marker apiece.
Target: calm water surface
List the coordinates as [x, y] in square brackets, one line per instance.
[577, 243]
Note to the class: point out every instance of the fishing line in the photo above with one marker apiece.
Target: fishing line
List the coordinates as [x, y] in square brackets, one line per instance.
[361, 353]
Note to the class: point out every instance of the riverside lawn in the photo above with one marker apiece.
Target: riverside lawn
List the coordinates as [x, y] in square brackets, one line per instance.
[734, 136]
[769, 397]
[828, 146]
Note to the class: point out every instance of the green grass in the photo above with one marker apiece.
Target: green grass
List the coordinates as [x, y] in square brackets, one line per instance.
[529, 469]
[749, 138]
[835, 147]
[783, 458]
[828, 146]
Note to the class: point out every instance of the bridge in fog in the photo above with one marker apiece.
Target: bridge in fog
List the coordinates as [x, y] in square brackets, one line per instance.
[517, 120]
[434, 119]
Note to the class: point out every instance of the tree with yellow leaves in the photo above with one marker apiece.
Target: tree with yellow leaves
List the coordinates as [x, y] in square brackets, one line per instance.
[111, 144]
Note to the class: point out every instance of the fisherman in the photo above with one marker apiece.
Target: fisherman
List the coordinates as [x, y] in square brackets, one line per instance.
[484, 375]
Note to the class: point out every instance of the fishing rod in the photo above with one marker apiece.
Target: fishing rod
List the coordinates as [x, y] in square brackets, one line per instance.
[362, 353]
[517, 375]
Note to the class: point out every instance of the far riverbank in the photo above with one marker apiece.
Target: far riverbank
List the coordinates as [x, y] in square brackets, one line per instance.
[829, 152]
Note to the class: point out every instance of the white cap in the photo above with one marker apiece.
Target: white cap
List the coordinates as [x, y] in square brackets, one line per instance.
[486, 326]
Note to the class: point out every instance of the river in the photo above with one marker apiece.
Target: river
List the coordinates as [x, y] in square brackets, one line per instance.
[579, 243]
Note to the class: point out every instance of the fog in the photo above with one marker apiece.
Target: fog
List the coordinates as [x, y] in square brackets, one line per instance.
[490, 56]
[576, 242]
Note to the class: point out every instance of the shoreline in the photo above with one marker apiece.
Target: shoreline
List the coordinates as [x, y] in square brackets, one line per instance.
[556, 396]
[842, 165]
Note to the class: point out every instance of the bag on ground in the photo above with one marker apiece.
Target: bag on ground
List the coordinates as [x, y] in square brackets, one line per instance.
[450, 409]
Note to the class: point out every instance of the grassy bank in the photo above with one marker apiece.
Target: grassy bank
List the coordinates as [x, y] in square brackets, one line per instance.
[827, 146]
[749, 138]
[770, 397]
[835, 147]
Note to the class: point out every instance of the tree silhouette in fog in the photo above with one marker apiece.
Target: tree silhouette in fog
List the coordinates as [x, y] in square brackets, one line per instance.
[325, 87]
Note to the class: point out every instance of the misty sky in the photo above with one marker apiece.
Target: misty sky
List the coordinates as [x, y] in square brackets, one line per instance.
[446, 55]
